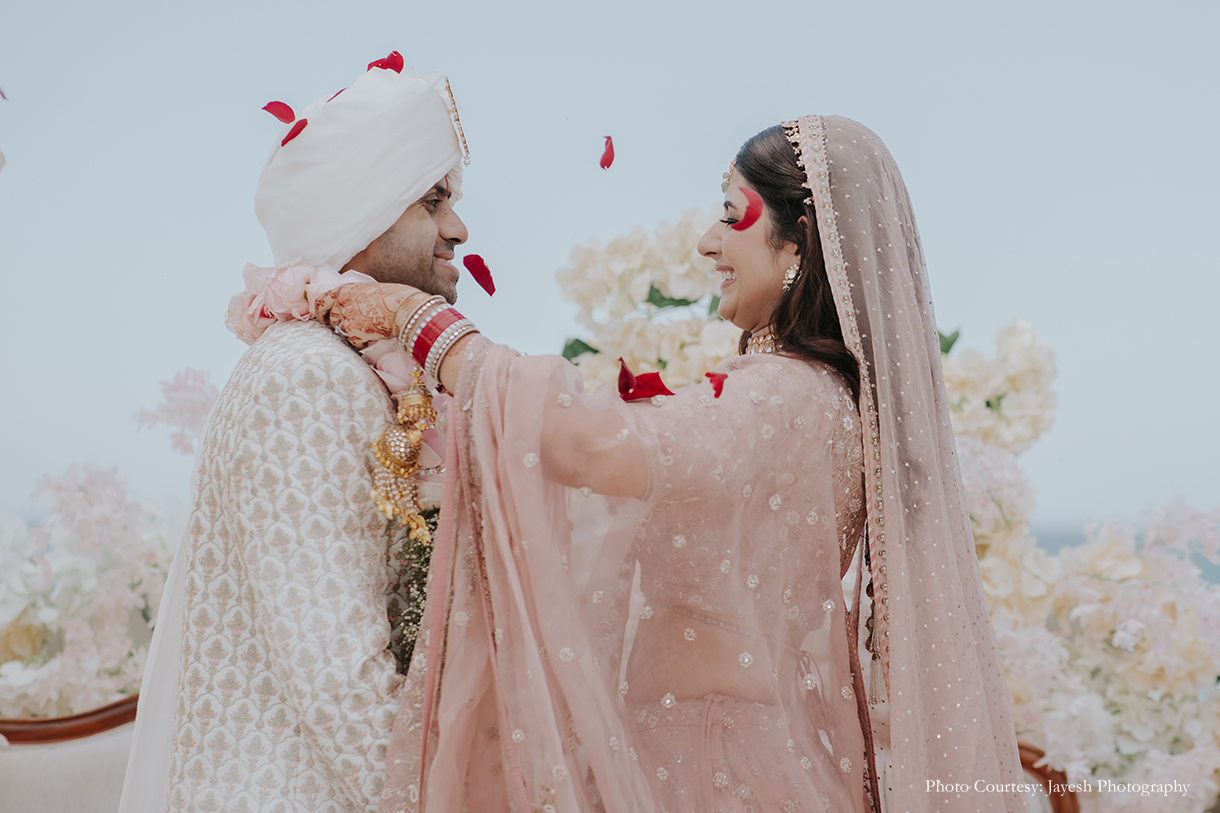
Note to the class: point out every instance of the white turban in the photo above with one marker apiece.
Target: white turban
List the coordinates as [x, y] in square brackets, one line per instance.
[364, 156]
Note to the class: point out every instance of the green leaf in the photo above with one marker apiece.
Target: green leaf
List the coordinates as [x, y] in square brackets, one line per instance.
[712, 309]
[659, 299]
[947, 342]
[576, 347]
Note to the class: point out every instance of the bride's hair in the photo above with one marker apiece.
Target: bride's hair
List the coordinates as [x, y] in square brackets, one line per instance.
[805, 321]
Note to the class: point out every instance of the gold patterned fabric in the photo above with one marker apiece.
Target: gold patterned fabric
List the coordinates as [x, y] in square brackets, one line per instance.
[286, 690]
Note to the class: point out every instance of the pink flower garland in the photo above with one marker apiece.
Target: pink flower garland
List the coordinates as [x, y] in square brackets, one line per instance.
[282, 294]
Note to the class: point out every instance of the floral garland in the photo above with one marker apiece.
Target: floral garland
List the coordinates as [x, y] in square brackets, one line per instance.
[411, 559]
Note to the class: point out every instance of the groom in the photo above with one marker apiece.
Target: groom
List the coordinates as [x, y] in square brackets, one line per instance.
[270, 685]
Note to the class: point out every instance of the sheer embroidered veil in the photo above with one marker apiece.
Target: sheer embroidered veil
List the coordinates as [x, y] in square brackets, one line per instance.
[950, 711]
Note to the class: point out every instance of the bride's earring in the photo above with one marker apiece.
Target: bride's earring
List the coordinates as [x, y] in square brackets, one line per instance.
[790, 274]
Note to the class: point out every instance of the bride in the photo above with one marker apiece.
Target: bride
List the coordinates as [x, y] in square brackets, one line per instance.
[734, 508]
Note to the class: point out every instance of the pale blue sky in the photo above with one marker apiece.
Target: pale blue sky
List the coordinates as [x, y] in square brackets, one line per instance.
[1061, 157]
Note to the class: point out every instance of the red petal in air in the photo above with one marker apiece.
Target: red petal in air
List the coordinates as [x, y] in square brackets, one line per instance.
[295, 131]
[638, 387]
[393, 62]
[479, 271]
[608, 154]
[753, 210]
[2, 96]
[717, 380]
[280, 110]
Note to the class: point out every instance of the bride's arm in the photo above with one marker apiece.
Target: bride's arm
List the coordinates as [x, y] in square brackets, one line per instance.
[582, 447]
[366, 312]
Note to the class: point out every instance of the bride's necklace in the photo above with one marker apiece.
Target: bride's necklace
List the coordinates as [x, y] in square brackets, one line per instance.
[760, 343]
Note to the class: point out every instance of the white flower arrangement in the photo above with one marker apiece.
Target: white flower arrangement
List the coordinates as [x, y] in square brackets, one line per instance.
[651, 300]
[1118, 680]
[79, 594]
[1106, 646]
[998, 495]
[1006, 401]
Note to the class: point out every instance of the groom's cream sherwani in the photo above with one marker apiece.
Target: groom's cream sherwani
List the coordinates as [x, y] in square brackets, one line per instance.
[283, 690]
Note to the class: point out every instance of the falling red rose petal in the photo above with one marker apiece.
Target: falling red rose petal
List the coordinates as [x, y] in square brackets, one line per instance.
[2, 96]
[295, 131]
[608, 154]
[479, 272]
[626, 381]
[753, 210]
[638, 387]
[393, 62]
[717, 380]
[281, 111]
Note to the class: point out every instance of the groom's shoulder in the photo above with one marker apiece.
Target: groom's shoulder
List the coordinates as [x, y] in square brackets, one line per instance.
[288, 345]
[308, 359]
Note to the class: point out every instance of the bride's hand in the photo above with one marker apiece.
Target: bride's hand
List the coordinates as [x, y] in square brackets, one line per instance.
[366, 312]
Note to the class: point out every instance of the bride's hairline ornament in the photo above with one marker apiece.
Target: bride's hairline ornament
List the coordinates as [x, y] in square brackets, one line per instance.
[724, 187]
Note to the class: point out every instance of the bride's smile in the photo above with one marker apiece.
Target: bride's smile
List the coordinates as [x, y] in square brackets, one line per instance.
[750, 264]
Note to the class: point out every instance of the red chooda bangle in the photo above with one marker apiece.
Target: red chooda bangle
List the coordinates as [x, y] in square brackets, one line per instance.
[431, 331]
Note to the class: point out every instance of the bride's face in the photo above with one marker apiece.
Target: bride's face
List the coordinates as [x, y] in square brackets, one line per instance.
[751, 270]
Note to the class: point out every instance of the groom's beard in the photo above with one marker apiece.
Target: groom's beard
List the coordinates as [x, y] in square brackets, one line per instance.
[400, 264]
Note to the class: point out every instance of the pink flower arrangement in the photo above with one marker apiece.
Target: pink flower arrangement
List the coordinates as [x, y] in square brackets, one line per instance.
[79, 595]
[187, 400]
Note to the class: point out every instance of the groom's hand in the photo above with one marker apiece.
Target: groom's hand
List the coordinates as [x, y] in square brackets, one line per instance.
[365, 312]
